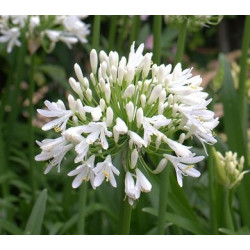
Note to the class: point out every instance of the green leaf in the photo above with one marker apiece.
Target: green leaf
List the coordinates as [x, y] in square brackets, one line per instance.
[180, 221]
[10, 227]
[232, 124]
[35, 220]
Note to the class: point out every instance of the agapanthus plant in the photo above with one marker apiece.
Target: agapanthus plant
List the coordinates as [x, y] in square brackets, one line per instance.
[129, 107]
[42, 30]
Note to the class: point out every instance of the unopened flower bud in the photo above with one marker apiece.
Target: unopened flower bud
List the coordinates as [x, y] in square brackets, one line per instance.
[139, 117]
[78, 72]
[160, 108]
[162, 96]
[162, 164]
[129, 91]
[76, 87]
[102, 84]
[72, 102]
[80, 109]
[130, 111]
[130, 74]
[143, 100]
[92, 78]
[104, 69]
[134, 158]
[85, 82]
[110, 115]
[146, 66]
[154, 70]
[107, 92]
[89, 94]
[102, 104]
[155, 94]
[114, 73]
[182, 138]
[121, 73]
[93, 60]
[75, 120]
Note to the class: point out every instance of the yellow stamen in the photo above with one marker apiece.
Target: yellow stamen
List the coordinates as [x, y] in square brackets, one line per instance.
[106, 174]
[188, 167]
[57, 129]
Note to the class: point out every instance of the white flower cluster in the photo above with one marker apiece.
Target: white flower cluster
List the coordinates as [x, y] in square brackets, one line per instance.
[133, 107]
[46, 30]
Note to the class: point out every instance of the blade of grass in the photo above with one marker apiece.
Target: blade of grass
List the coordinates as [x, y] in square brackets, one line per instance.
[34, 224]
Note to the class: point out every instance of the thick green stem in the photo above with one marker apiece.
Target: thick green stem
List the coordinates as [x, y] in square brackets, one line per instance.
[16, 91]
[82, 208]
[96, 31]
[157, 39]
[135, 28]
[181, 42]
[164, 182]
[228, 196]
[125, 217]
[212, 191]
[31, 129]
[112, 31]
[243, 70]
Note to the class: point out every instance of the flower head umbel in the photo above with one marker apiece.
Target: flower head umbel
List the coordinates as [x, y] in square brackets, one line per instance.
[42, 30]
[229, 168]
[132, 107]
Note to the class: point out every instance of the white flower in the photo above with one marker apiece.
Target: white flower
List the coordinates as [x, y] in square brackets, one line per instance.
[141, 182]
[96, 112]
[105, 170]
[181, 168]
[136, 139]
[11, 37]
[131, 190]
[54, 149]
[56, 110]
[135, 58]
[97, 130]
[84, 172]
[81, 149]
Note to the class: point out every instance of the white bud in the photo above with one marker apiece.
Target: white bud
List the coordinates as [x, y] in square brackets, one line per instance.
[162, 96]
[104, 69]
[146, 85]
[146, 66]
[102, 84]
[168, 69]
[111, 80]
[167, 81]
[78, 72]
[182, 138]
[158, 141]
[114, 73]
[85, 82]
[160, 73]
[139, 117]
[162, 164]
[130, 74]
[130, 111]
[107, 92]
[93, 60]
[92, 78]
[130, 144]
[76, 87]
[155, 93]
[123, 62]
[109, 116]
[99, 73]
[177, 71]
[113, 59]
[170, 99]
[75, 120]
[129, 91]
[80, 109]
[139, 83]
[154, 70]
[160, 108]
[134, 158]
[143, 100]
[72, 103]
[89, 94]
[120, 75]
[103, 56]
[116, 135]
[102, 104]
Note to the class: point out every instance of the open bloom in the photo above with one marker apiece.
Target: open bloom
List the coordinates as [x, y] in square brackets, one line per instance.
[42, 30]
[133, 108]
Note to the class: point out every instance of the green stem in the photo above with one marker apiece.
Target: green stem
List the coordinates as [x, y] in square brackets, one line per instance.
[82, 208]
[135, 28]
[125, 217]
[30, 125]
[125, 208]
[123, 34]
[243, 70]
[181, 42]
[112, 31]
[16, 89]
[96, 31]
[212, 191]
[157, 39]
[164, 183]
[228, 196]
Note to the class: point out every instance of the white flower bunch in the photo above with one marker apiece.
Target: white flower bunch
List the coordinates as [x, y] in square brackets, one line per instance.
[42, 30]
[132, 107]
